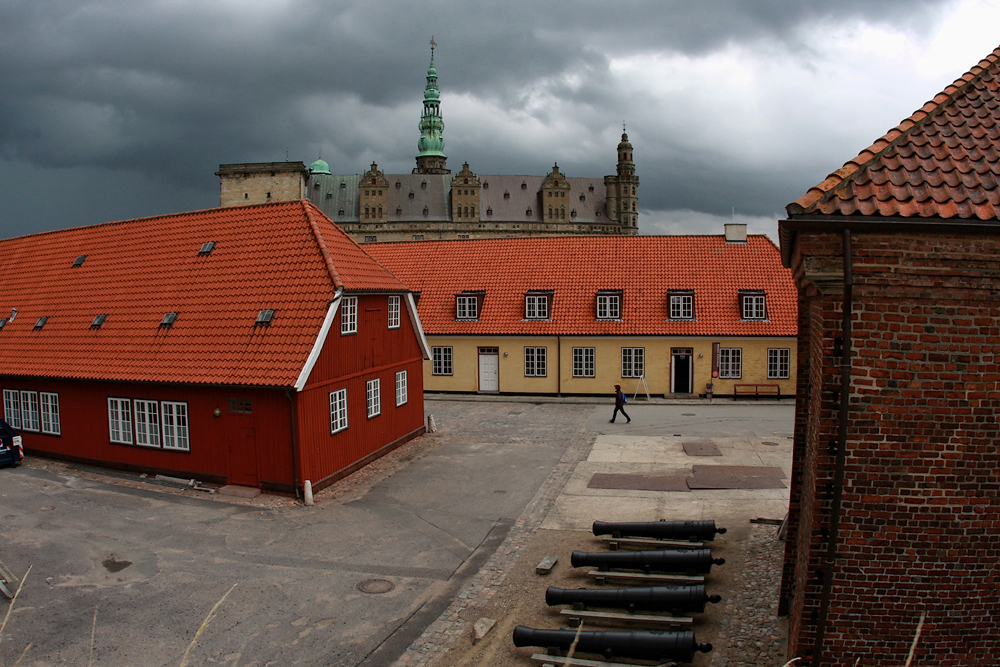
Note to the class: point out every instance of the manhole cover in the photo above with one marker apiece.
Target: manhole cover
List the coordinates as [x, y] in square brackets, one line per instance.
[688, 414]
[768, 443]
[375, 586]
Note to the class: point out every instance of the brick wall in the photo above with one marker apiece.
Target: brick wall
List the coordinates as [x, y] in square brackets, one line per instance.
[920, 519]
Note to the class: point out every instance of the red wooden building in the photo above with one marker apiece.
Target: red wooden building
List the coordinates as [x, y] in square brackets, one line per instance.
[255, 345]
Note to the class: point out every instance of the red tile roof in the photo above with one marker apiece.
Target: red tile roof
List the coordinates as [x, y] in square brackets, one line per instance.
[285, 256]
[644, 268]
[940, 162]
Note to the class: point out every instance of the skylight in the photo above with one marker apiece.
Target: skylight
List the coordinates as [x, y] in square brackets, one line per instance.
[98, 321]
[3, 322]
[168, 319]
[79, 261]
[206, 248]
[264, 318]
[41, 322]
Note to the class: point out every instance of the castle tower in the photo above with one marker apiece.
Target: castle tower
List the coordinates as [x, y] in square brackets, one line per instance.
[373, 195]
[623, 188]
[465, 188]
[431, 159]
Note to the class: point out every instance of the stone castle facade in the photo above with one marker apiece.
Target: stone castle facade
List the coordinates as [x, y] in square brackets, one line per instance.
[433, 203]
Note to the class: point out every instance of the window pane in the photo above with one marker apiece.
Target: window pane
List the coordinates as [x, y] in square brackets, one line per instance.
[373, 392]
[349, 315]
[338, 410]
[393, 312]
[120, 420]
[175, 425]
[441, 361]
[12, 407]
[147, 423]
[401, 390]
[29, 411]
[50, 412]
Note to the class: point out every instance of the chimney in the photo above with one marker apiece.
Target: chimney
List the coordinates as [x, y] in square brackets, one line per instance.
[736, 233]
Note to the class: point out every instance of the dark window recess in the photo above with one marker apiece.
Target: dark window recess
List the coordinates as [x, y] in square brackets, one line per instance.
[41, 322]
[343, 186]
[206, 248]
[98, 321]
[240, 406]
[329, 195]
[264, 318]
[79, 261]
[524, 186]
[168, 320]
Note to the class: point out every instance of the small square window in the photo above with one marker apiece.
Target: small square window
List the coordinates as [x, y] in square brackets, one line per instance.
[536, 307]
[168, 320]
[753, 306]
[240, 406]
[681, 306]
[264, 318]
[609, 307]
[98, 321]
[467, 307]
[206, 248]
[371, 239]
[441, 361]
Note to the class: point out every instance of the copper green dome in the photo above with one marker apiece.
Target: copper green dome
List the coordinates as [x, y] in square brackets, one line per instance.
[319, 167]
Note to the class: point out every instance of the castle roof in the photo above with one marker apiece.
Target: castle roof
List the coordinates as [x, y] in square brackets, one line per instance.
[643, 269]
[283, 256]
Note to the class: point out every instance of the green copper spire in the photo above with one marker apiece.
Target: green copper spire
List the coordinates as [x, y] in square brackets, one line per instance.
[431, 159]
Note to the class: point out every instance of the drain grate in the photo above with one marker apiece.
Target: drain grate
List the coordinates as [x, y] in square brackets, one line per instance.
[375, 586]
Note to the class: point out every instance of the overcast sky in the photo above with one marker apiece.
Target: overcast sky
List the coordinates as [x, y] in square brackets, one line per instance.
[117, 109]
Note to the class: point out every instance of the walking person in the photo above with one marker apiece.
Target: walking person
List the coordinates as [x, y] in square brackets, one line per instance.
[620, 401]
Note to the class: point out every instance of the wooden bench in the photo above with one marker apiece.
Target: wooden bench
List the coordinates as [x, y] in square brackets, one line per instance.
[756, 390]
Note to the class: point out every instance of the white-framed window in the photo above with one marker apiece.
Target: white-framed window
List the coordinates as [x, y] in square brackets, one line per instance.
[682, 306]
[534, 362]
[29, 411]
[373, 394]
[338, 410]
[583, 362]
[50, 412]
[441, 361]
[778, 363]
[730, 362]
[12, 407]
[393, 312]
[175, 425]
[120, 420]
[754, 306]
[609, 306]
[633, 362]
[349, 315]
[536, 306]
[467, 307]
[147, 422]
[401, 391]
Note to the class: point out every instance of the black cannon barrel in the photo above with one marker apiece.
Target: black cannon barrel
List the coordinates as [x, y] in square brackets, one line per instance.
[648, 598]
[661, 530]
[677, 646]
[699, 561]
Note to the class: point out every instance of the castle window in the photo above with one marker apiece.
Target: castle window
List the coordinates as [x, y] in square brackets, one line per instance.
[597, 212]
[423, 184]
[591, 188]
[572, 213]
[472, 212]
[380, 211]
[506, 195]
[371, 239]
[463, 236]
[316, 185]
[399, 211]
[329, 195]
[411, 194]
[466, 182]
[343, 186]
[550, 212]
[528, 213]
[524, 186]
[486, 186]
[340, 211]
[458, 211]
[366, 212]
[418, 237]
[379, 193]
[489, 211]
[467, 211]
[426, 210]
[583, 197]
[398, 185]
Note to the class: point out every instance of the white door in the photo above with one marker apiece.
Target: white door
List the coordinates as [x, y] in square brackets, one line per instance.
[489, 369]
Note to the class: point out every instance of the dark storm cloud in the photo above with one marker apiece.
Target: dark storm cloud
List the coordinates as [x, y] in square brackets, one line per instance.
[161, 93]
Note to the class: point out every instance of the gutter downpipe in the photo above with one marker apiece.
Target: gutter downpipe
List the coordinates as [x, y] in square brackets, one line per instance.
[295, 447]
[841, 460]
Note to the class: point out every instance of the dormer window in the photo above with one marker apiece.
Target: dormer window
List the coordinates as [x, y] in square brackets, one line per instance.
[506, 195]
[609, 305]
[681, 304]
[468, 304]
[753, 304]
[537, 306]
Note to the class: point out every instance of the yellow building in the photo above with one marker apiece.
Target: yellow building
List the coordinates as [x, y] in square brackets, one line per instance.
[667, 315]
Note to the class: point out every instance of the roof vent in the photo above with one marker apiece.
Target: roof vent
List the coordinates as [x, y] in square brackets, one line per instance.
[41, 322]
[398, 185]
[98, 321]
[736, 233]
[426, 210]
[399, 211]
[423, 184]
[264, 318]
[486, 185]
[79, 261]
[528, 213]
[591, 188]
[489, 211]
[524, 186]
[168, 320]
[206, 248]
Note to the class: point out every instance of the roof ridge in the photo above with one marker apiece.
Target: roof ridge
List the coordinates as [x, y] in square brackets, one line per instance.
[854, 167]
[308, 209]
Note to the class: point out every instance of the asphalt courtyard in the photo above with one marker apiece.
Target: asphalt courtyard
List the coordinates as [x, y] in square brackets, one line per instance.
[392, 565]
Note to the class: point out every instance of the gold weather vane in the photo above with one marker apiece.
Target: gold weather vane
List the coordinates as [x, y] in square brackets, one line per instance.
[433, 44]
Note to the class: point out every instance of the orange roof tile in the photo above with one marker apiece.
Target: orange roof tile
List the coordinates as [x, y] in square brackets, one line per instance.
[942, 161]
[644, 268]
[285, 256]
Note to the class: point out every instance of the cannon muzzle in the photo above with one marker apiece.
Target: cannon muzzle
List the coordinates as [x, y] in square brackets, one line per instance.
[677, 646]
[689, 599]
[698, 561]
[693, 531]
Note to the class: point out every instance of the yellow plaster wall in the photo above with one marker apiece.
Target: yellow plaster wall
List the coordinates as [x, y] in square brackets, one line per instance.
[607, 357]
[253, 188]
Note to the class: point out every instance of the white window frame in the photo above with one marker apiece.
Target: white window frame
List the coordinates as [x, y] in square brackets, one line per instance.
[402, 393]
[393, 312]
[583, 362]
[349, 315]
[120, 420]
[633, 362]
[29, 412]
[49, 403]
[338, 411]
[467, 307]
[609, 306]
[536, 307]
[535, 362]
[682, 306]
[174, 422]
[146, 416]
[731, 363]
[442, 358]
[12, 407]
[373, 397]
[754, 307]
[779, 363]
